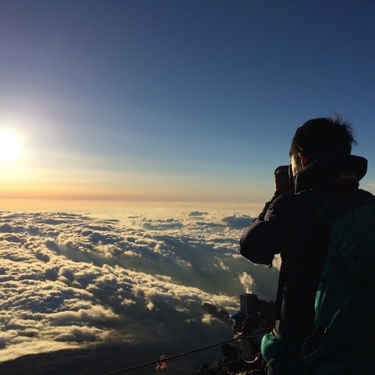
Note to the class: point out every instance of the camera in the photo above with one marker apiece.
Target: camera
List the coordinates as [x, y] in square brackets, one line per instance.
[283, 180]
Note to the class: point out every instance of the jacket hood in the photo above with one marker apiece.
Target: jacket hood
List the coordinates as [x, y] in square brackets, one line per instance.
[324, 171]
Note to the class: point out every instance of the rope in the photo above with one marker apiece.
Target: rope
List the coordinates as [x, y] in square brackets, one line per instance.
[169, 358]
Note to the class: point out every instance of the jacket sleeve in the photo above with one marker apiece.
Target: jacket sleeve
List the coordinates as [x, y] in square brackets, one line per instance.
[267, 235]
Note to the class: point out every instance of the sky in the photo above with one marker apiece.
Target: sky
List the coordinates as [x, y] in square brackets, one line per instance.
[71, 280]
[118, 104]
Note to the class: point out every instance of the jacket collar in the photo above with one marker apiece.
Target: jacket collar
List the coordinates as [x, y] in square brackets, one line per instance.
[330, 170]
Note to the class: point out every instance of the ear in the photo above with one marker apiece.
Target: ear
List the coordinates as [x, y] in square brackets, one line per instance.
[304, 160]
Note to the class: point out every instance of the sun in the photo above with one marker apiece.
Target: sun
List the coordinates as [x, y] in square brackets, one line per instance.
[10, 145]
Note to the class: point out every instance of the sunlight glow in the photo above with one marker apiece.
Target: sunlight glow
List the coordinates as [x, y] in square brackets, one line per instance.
[10, 146]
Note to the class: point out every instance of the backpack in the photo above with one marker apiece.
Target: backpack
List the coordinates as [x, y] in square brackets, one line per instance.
[344, 339]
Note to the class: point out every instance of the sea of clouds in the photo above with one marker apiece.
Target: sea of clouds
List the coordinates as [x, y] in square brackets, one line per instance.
[70, 280]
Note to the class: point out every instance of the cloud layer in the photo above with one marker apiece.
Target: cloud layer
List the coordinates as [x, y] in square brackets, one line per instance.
[70, 280]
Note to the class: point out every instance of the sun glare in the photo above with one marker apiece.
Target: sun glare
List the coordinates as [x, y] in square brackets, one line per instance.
[10, 146]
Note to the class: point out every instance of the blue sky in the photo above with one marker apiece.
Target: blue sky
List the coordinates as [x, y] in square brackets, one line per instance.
[180, 101]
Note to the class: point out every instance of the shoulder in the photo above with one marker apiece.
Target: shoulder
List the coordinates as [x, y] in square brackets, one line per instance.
[366, 196]
[286, 205]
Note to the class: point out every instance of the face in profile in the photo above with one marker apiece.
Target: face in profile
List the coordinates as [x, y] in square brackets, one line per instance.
[296, 164]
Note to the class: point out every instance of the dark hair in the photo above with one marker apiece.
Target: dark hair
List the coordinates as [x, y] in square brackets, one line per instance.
[322, 135]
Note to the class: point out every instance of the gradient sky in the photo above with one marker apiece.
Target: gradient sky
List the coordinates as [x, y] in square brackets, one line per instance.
[178, 101]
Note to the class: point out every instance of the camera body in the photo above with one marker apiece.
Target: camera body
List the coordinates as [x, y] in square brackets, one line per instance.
[283, 180]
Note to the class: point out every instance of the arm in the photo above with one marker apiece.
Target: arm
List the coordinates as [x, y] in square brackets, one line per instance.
[267, 235]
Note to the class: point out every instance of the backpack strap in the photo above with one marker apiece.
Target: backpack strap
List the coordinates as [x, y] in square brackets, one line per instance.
[320, 205]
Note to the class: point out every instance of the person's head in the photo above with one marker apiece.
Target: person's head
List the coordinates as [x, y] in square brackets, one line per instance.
[332, 137]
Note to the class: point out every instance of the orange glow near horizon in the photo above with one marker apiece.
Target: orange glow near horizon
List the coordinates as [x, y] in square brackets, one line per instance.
[78, 194]
[113, 206]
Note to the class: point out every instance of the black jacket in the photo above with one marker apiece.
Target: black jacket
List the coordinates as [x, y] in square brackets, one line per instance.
[292, 227]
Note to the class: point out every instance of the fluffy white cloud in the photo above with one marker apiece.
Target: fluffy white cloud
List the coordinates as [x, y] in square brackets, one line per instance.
[70, 280]
[247, 281]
